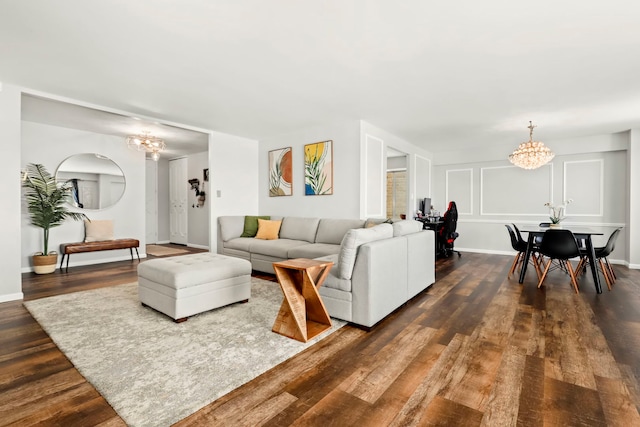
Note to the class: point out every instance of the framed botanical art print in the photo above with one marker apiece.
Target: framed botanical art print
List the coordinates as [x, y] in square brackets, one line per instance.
[318, 168]
[280, 172]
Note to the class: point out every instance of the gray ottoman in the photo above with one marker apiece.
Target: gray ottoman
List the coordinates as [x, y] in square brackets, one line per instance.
[182, 286]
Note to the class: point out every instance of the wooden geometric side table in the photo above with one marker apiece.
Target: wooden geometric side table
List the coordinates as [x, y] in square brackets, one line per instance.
[302, 314]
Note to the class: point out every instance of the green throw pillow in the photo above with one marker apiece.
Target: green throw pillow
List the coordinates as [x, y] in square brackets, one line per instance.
[251, 225]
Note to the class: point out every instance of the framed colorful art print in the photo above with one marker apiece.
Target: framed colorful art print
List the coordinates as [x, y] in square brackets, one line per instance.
[280, 172]
[318, 168]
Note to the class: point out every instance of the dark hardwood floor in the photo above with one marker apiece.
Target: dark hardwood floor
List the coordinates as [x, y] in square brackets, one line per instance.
[475, 349]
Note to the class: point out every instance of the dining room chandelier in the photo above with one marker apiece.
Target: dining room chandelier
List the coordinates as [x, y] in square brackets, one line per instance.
[531, 154]
[147, 142]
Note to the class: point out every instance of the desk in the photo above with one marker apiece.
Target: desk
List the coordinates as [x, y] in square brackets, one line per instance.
[580, 233]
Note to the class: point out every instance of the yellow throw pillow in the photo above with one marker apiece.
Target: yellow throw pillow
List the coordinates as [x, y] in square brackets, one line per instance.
[268, 230]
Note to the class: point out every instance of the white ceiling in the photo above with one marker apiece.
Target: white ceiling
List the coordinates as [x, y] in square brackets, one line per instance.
[442, 75]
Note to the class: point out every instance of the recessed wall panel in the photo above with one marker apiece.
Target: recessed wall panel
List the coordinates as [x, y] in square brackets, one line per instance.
[423, 177]
[509, 190]
[583, 182]
[375, 177]
[459, 188]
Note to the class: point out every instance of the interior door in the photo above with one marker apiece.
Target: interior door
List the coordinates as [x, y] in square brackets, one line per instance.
[178, 187]
[151, 201]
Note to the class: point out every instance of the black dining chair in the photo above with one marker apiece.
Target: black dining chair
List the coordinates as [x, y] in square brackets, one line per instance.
[602, 253]
[561, 246]
[520, 246]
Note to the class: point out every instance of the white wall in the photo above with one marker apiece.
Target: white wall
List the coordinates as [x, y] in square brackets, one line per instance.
[490, 194]
[11, 283]
[344, 202]
[50, 145]
[233, 179]
[374, 143]
[198, 217]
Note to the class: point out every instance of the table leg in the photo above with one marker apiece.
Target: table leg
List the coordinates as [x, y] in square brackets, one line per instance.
[527, 255]
[592, 262]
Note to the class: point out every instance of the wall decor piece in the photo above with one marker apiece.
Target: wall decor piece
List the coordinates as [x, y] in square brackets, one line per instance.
[318, 168]
[280, 172]
[205, 174]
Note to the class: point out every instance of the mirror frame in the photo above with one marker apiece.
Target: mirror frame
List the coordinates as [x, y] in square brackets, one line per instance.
[92, 166]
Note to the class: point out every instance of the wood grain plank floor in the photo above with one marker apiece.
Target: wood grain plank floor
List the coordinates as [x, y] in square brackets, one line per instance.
[477, 349]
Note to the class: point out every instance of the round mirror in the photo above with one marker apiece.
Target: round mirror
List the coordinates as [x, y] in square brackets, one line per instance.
[97, 181]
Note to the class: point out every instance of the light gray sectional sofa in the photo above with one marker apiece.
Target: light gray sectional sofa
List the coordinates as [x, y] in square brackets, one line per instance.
[375, 270]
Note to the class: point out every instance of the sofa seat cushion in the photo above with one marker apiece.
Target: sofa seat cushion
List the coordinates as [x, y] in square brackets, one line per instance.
[239, 243]
[328, 292]
[331, 230]
[277, 248]
[313, 250]
[333, 281]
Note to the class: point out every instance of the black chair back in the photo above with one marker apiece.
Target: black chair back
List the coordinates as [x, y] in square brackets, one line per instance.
[611, 244]
[516, 240]
[559, 244]
[450, 219]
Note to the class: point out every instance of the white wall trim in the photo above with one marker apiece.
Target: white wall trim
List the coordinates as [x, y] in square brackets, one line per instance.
[415, 167]
[95, 261]
[530, 222]
[11, 297]
[447, 199]
[381, 209]
[193, 245]
[601, 195]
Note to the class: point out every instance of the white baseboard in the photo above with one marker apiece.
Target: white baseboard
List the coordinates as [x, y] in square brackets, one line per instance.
[191, 245]
[163, 242]
[92, 262]
[11, 297]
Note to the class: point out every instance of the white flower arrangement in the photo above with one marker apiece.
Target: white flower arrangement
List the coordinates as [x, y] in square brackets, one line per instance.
[556, 213]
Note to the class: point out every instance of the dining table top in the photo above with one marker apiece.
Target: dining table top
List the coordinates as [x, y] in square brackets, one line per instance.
[532, 228]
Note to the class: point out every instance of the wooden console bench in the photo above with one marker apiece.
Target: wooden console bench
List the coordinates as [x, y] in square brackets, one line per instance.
[105, 245]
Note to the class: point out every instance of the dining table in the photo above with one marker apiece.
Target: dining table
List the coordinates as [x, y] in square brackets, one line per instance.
[582, 234]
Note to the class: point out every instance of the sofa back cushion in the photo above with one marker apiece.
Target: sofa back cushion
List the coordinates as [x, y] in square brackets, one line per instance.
[231, 227]
[352, 240]
[333, 230]
[408, 226]
[296, 228]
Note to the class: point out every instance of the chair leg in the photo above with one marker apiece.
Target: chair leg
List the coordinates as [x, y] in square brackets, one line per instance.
[613, 273]
[536, 264]
[514, 264]
[574, 282]
[605, 273]
[544, 274]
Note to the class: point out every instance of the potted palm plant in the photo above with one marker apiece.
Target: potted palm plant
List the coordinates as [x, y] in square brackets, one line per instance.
[46, 206]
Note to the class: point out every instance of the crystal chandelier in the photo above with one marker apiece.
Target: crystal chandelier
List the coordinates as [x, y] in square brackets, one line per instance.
[531, 154]
[147, 142]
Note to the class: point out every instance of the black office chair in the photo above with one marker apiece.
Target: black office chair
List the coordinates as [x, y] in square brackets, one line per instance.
[602, 253]
[560, 245]
[520, 245]
[447, 233]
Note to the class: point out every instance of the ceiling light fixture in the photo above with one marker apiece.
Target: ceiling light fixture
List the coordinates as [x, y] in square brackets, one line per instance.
[531, 154]
[147, 142]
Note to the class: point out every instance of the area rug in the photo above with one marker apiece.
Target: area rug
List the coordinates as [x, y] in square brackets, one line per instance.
[154, 371]
[157, 250]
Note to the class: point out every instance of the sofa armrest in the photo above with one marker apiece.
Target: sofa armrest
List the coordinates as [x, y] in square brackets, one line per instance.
[229, 227]
[379, 280]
